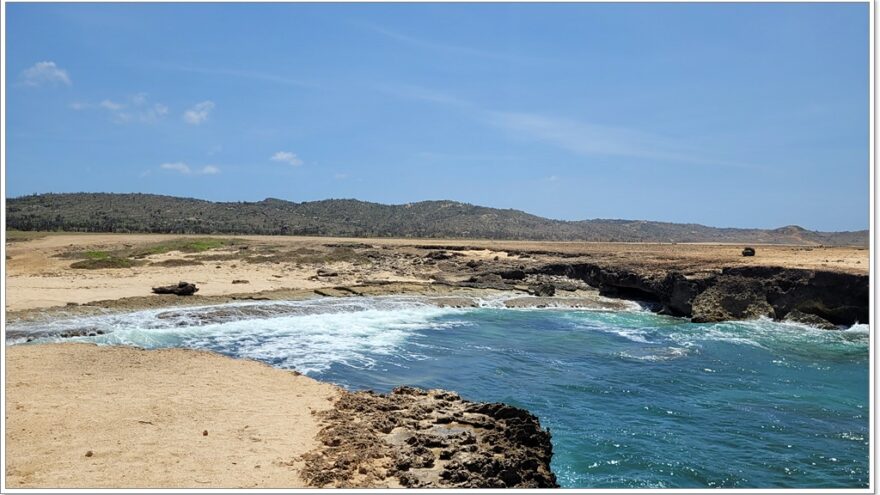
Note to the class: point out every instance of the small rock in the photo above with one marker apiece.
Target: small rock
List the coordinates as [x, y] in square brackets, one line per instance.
[205, 433]
[240, 281]
[181, 289]
[89, 453]
[543, 290]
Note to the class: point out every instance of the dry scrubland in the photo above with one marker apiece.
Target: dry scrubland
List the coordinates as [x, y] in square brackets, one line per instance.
[41, 273]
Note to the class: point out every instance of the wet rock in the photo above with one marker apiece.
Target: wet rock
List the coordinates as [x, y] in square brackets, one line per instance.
[181, 289]
[797, 316]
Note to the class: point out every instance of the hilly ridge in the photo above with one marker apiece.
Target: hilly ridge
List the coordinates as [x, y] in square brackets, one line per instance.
[111, 212]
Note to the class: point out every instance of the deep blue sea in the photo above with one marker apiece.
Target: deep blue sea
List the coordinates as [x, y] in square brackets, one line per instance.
[632, 399]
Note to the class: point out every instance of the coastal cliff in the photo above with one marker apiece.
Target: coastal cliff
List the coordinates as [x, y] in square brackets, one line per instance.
[809, 296]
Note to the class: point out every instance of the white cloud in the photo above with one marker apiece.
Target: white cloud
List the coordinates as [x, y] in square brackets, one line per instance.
[183, 168]
[287, 157]
[111, 105]
[135, 108]
[198, 113]
[45, 73]
[177, 167]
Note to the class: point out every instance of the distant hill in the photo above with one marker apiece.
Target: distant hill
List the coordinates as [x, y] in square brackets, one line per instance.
[106, 212]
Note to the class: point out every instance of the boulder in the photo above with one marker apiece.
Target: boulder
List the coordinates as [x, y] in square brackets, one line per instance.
[748, 251]
[181, 289]
[543, 290]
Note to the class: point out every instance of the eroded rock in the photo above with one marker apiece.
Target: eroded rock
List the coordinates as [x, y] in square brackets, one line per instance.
[429, 439]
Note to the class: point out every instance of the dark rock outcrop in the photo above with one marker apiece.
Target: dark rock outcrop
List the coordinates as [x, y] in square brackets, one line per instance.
[734, 293]
[731, 298]
[181, 289]
[429, 439]
[515, 274]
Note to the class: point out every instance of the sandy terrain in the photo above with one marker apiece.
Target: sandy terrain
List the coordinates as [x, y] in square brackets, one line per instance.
[38, 278]
[80, 416]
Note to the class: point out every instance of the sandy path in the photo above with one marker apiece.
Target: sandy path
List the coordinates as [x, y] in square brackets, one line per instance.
[142, 415]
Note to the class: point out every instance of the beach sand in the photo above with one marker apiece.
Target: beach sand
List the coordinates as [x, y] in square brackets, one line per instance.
[82, 416]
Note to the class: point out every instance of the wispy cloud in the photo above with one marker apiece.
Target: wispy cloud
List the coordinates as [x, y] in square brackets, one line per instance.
[447, 48]
[45, 73]
[423, 94]
[287, 157]
[111, 105]
[183, 168]
[576, 136]
[198, 113]
[268, 77]
[340, 176]
[135, 108]
[591, 139]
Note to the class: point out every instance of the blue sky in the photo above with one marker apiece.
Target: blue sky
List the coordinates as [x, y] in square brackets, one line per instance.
[739, 115]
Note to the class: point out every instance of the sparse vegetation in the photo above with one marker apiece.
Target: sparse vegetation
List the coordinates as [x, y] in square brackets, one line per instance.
[176, 262]
[126, 213]
[132, 256]
[107, 262]
[22, 236]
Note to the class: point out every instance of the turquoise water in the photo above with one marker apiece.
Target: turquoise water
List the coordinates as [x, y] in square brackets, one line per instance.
[632, 399]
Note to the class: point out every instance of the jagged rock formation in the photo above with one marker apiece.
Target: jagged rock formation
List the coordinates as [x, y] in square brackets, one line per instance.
[734, 293]
[430, 438]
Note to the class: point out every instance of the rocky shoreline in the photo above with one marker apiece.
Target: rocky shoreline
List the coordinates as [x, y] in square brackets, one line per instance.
[819, 298]
[428, 439]
[415, 438]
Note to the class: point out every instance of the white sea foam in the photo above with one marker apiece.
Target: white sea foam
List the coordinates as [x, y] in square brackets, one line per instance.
[305, 335]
